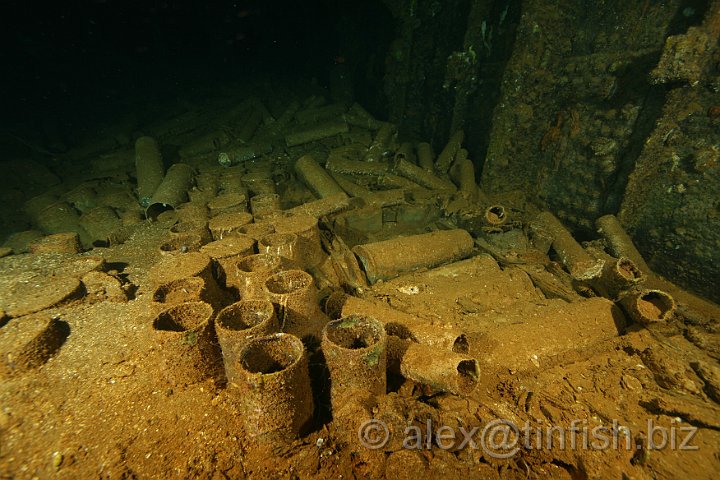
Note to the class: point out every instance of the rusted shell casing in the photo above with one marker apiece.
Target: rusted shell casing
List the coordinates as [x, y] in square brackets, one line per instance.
[337, 203]
[149, 169]
[197, 227]
[283, 245]
[259, 183]
[226, 224]
[247, 275]
[316, 178]
[68, 242]
[619, 276]
[181, 243]
[579, 263]
[399, 324]
[265, 205]
[60, 217]
[421, 176]
[338, 164]
[496, 215]
[447, 156]
[466, 178]
[226, 252]
[182, 290]
[237, 324]
[354, 348]
[294, 292]
[172, 191]
[425, 156]
[316, 132]
[257, 230]
[310, 250]
[273, 387]
[192, 264]
[440, 370]
[28, 342]
[380, 146]
[187, 343]
[391, 258]
[649, 306]
[227, 203]
[619, 242]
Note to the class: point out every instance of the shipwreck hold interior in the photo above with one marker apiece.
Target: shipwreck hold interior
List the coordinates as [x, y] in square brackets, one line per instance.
[524, 195]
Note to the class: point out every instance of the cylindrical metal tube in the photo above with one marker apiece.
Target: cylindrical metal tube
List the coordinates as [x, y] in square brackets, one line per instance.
[226, 252]
[649, 306]
[316, 178]
[265, 205]
[283, 245]
[354, 348]
[316, 132]
[273, 385]
[466, 178]
[242, 153]
[406, 152]
[442, 371]
[68, 242]
[294, 292]
[172, 191]
[619, 242]
[237, 324]
[257, 230]
[306, 228]
[227, 203]
[186, 342]
[496, 215]
[196, 227]
[324, 206]
[447, 156]
[426, 156]
[422, 177]
[259, 183]
[390, 258]
[578, 262]
[182, 243]
[247, 275]
[226, 224]
[182, 290]
[149, 169]
[62, 218]
[100, 223]
[381, 144]
[399, 324]
[618, 277]
[339, 164]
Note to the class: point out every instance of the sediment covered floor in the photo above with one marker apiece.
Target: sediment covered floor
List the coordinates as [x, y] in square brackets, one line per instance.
[491, 315]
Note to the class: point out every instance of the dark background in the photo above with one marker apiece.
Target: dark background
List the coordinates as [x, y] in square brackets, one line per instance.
[79, 63]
